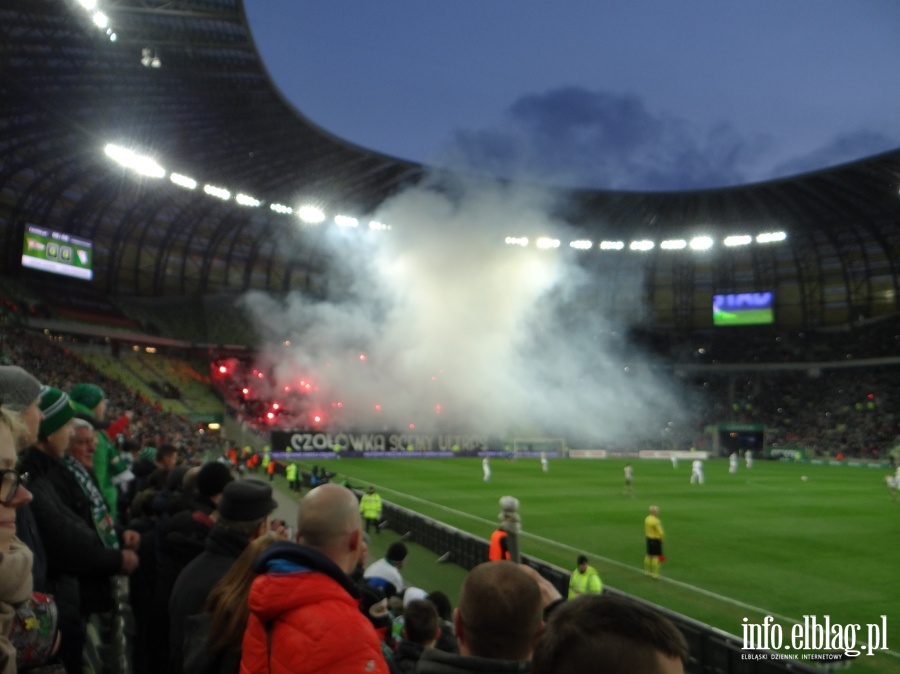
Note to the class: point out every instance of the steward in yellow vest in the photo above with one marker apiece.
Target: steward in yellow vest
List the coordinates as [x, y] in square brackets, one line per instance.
[584, 580]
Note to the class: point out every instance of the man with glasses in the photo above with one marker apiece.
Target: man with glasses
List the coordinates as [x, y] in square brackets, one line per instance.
[21, 395]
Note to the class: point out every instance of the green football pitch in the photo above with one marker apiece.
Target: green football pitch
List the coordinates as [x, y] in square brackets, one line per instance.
[762, 542]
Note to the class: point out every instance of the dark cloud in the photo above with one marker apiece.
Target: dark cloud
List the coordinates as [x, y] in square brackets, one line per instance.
[575, 137]
[579, 138]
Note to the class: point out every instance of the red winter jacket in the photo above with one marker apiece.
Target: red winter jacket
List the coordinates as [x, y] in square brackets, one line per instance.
[312, 608]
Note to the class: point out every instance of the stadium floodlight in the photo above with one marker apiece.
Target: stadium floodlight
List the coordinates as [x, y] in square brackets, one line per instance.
[673, 244]
[701, 243]
[642, 246]
[247, 200]
[612, 245]
[218, 192]
[516, 241]
[345, 221]
[546, 242]
[770, 237]
[311, 214]
[738, 240]
[112, 36]
[134, 161]
[89, 5]
[100, 19]
[581, 244]
[378, 226]
[281, 208]
[183, 181]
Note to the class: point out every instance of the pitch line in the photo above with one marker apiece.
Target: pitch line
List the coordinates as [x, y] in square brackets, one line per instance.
[607, 560]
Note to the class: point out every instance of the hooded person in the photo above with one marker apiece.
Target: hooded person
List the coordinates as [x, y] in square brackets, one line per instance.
[90, 404]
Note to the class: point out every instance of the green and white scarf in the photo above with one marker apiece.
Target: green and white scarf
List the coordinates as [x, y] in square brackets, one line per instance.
[103, 521]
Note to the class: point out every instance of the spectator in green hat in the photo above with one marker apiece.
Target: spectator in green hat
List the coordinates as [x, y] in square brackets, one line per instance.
[90, 405]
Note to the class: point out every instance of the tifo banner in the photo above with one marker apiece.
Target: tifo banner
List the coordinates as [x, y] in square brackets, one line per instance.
[303, 441]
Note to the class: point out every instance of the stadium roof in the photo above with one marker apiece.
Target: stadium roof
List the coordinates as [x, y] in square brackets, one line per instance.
[181, 81]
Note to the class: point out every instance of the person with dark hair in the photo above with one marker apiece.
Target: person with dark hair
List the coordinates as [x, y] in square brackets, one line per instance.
[609, 634]
[164, 458]
[385, 572]
[244, 511]
[213, 638]
[584, 579]
[421, 628]
[497, 623]
[447, 640]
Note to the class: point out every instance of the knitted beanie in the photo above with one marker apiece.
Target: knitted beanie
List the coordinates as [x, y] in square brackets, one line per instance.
[88, 395]
[18, 389]
[57, 409]
[148, 453]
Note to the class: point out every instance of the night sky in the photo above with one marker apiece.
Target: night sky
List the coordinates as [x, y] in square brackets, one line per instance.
[638, 95]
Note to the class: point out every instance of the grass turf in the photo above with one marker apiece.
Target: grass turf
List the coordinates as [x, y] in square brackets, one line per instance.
[761, 542]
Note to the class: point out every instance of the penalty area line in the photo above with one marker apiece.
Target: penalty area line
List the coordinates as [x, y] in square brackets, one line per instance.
[687, 586]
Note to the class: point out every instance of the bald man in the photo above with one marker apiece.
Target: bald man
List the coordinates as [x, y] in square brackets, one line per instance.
[304, 608]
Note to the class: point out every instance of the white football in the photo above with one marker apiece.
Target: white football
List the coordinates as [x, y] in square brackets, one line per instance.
[804, 478]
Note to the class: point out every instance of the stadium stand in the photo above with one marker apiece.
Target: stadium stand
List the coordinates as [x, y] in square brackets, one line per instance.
[169, 264]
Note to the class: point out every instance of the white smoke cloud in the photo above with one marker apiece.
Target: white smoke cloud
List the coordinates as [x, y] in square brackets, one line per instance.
[439, 324]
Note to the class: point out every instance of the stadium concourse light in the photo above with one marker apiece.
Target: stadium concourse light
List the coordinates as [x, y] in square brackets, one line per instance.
[281, 208]
[345, 221]
[673, 244]
[612, 245]
[581, 244]
[642, 246]
[183, 181]
[546, 242]
[134, 161]
[701, 243]
[378, 226]
[246, 200]
[517, 241]
[218, 192]
[770, 237]
[738, 240]
[310, 214]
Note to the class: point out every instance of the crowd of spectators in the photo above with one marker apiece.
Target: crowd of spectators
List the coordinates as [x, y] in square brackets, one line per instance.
[218, 587]
[825, 403]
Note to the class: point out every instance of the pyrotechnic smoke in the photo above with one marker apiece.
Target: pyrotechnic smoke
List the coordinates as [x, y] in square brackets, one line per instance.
[439, 324]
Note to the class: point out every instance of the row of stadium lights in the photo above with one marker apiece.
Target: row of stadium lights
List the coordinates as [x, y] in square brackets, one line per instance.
[147, 166]
[698, 243]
